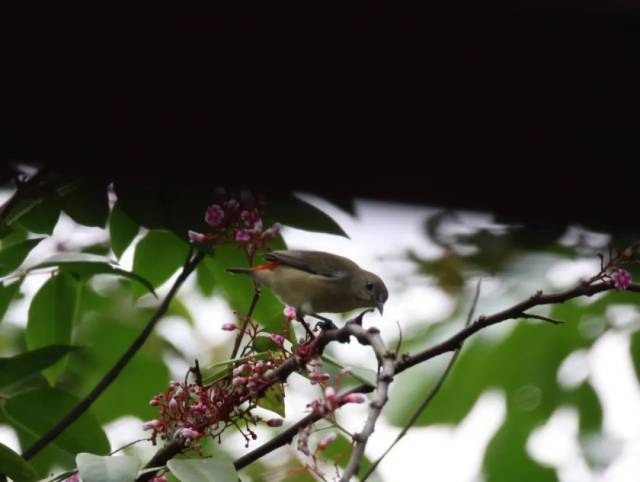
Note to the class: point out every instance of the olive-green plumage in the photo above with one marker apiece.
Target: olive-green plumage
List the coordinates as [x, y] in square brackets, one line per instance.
[319, 282]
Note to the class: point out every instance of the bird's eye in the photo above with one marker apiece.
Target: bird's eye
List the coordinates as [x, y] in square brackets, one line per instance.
[369, 286]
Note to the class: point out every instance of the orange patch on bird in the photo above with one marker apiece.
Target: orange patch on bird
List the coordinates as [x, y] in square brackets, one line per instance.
[271, 265]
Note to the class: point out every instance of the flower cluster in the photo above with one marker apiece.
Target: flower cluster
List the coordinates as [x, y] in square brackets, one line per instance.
[239, 221]
[620, 279]
[191, 411]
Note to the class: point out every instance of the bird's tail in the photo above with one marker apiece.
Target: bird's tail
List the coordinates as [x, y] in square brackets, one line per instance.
[239, 270]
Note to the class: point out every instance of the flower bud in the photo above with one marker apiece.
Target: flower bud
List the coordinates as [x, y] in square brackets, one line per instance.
[275, 422]
[354, 398]
[229, 326]
[326, 441]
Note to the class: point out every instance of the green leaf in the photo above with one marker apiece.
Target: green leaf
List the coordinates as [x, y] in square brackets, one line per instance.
[205, 277]
[95, 468]
[265, 343]
[86, 202]
[158, 256]
[295, 212]
[13, 255]
[15, 467]
[15, 368]
[51, 316]
[7, 294]
[122, 229]
[203, 470]
[33, 413]
[87, 264]
[273, 399]
[635, 352]
[506, 458]
[42, 214]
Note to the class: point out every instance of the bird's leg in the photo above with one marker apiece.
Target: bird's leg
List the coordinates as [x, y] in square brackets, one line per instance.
[325, 323]
[300, 318]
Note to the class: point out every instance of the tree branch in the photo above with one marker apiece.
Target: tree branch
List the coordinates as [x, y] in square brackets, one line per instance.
[430, 396]
[450, 344]
[189, 265]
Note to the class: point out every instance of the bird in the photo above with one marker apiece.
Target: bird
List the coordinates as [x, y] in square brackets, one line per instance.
[318, 282]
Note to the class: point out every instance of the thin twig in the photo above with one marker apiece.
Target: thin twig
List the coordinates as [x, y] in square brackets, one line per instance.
[540, 317]
[189, 265]
[430, 396]
[252, 307]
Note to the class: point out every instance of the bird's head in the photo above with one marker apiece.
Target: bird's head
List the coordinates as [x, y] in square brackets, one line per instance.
[371, 290]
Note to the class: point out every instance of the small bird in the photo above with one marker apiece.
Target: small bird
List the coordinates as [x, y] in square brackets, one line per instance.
[317, 282]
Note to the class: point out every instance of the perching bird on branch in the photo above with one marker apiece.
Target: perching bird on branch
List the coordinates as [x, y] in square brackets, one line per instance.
[317, 282]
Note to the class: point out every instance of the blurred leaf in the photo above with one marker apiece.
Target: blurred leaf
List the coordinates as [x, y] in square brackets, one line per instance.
[179, 309]
[33, 413]
[87, 264]
[94, 468]
[158, 256]
[13, 255]
[15, 368]
[86, 202]
[635, 352]
[122, 229]
[205, 276]
[273, 399]
[143, 377]
[51, 316]
[178, 206]
[15, 235]
[203, 470]
[585, 399]
[41, 215]
[294, 212]
[506, 458]
[7, 294]
[15, 467]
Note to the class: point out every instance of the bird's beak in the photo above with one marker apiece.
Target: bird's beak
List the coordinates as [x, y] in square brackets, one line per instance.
[380, 306]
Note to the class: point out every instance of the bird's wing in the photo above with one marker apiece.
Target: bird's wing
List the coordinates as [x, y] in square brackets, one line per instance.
[314, 262]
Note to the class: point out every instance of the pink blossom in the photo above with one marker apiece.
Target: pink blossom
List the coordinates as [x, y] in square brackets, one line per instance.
[275, 422]
[319, 376]
[155, 401]
[229, 326]
[195, 237]
[277, 339]
[326, 441]
[354, 398]
[621, 279]
[243, 235]
[290, 312]
[272, 232]
[73, 478]
[159, 478]
[214, 216]
[188, 433]
[153, 425]
[173, 405]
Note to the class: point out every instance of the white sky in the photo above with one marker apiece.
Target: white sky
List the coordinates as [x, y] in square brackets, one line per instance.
[380, 235]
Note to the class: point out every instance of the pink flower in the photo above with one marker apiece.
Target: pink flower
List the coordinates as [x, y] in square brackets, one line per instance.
[318, 376]
[272, 232]
[275, 422]
[621, 279]
[229, 326]
[173, 405]
[156, 425]
[73, 478]
[290, 312]
[326, 441]
[214, 216]
[159, 478]
[155, 401]
[277, 339]
[243, 235]
[188, 433]
[195, 237]
[354, 398]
